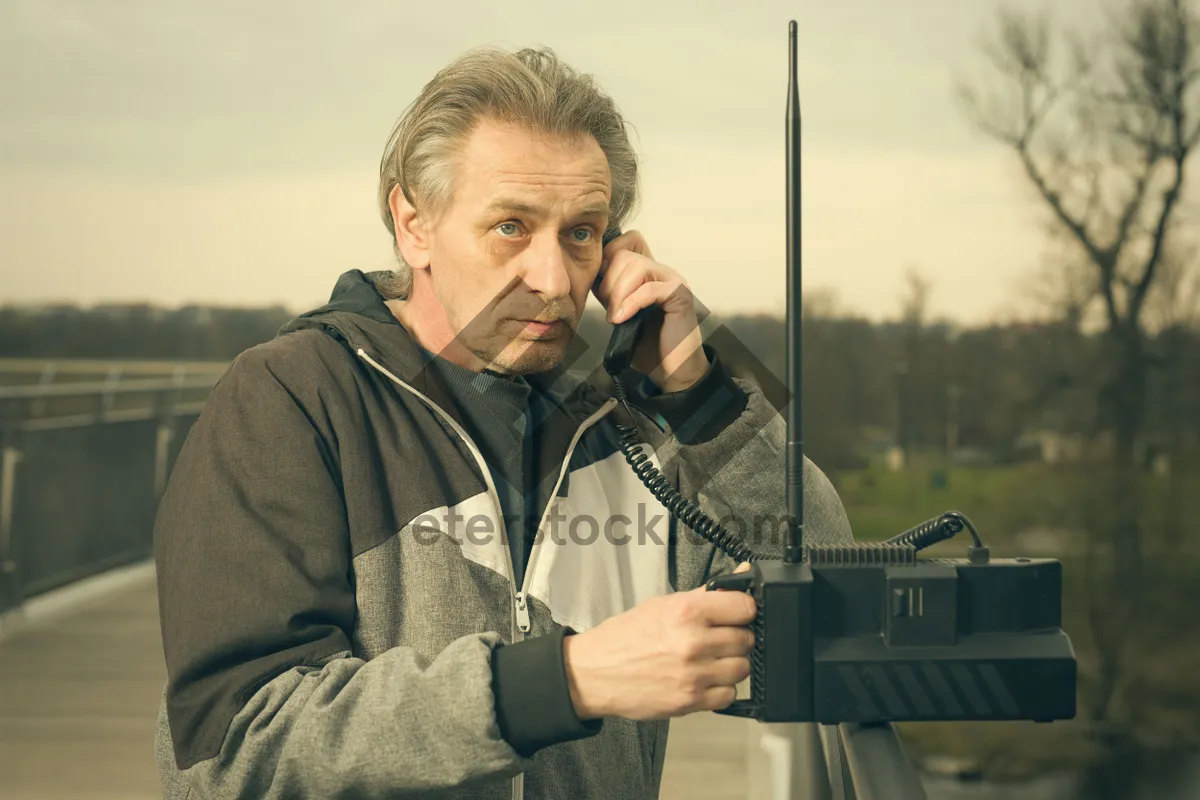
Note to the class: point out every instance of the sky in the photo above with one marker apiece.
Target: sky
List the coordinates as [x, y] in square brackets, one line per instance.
[227, 153]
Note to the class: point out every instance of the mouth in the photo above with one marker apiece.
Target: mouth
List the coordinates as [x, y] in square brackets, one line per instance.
[542, 330]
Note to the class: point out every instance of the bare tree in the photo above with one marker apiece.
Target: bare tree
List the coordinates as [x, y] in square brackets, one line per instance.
[821, 303]
[911, 408]
[1174, 298]
[1104, 131]
[915, 303]
[1064, 289]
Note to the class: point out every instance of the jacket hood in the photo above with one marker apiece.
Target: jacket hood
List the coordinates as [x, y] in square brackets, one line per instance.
[357, 316]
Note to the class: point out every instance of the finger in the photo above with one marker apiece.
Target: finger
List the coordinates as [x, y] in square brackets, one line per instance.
[728, 671]
[624, 304]
[633, 241]
[724, 672]
[725, 642]
[742, 567]
[670, 294]
[717, 697]
[628, 272]
[610, 274]
[632, 271]
[725, 607]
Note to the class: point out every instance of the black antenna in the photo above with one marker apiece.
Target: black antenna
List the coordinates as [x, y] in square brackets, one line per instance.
[793, 551]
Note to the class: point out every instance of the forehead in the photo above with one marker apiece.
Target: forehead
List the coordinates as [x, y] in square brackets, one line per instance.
[504, 159]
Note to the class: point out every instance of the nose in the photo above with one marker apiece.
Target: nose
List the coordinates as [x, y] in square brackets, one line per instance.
[544, 268]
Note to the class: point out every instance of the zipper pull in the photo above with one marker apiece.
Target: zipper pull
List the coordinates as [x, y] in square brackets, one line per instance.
[522, 613]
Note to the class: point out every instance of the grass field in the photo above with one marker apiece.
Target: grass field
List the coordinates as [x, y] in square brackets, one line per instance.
[1002, 502]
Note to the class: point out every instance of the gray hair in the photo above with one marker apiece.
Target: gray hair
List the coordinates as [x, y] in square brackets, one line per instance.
[532, 88]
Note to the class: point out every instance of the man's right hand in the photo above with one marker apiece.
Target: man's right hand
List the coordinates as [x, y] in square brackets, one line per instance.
[666, 657]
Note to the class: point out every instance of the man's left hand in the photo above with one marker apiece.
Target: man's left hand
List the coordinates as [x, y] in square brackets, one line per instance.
[630, 279]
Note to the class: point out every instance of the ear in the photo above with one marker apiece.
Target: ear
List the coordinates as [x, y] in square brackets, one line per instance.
[412, 237]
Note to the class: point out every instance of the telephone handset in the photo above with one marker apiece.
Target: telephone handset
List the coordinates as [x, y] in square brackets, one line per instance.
[619, 354]
[618, 357]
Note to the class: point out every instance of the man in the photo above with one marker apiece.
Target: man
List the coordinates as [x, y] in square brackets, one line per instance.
[401, 554]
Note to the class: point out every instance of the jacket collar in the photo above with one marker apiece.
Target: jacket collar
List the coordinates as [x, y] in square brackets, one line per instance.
[357, 315]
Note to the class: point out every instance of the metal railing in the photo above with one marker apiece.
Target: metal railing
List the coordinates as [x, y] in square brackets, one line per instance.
[82, 466]
[837, 762]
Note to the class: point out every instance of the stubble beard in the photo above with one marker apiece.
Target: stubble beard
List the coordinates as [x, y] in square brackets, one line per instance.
[504, 346]
[522, 356]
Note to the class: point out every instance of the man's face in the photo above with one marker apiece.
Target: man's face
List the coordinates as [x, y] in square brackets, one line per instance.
[520, 242]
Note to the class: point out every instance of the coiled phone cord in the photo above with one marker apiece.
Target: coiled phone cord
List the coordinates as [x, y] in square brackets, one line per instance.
[927, 533]
[679, 506]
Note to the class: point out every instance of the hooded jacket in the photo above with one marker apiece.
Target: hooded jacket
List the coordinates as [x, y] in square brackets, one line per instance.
[338, 611]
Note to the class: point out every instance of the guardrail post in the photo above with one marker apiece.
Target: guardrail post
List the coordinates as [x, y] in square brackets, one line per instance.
[11, 593]
[877, 763]
[166, 402]
[787, 763]
[841, 785]
[108, 397]
[38, 406]
[164, 434]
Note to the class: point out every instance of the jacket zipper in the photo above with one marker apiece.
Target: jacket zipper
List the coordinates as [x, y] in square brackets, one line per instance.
[520, 595]
[522, 608]
[523, 594]
[518, 600]
[608, 406]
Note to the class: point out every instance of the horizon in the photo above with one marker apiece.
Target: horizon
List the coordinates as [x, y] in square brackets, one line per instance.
[837, 314]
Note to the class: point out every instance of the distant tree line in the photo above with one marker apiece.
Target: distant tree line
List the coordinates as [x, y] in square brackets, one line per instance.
[135, 331]
[867, 385]
[922, 387]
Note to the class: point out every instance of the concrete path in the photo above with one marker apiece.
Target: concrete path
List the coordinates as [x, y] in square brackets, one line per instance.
[78, 698]
[79, 691]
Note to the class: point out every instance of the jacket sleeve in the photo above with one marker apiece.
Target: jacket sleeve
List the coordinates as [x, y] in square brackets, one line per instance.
[265, 698]
[726, 451]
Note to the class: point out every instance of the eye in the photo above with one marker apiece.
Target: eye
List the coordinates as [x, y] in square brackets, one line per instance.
[587, 231]
[504, 225]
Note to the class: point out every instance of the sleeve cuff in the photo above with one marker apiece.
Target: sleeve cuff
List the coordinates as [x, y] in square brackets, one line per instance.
[700, 412]
[533, 703]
